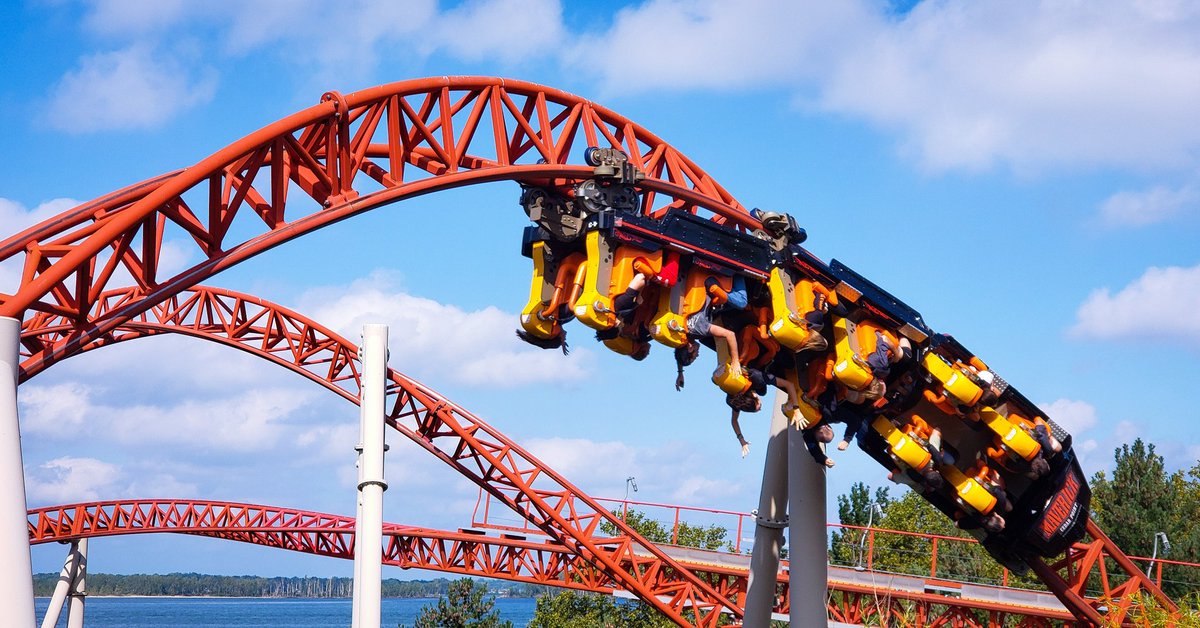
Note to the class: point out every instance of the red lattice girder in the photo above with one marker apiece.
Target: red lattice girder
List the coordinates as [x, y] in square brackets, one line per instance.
[1098, 562]
[455, 436]
[347, 155]
[504, 557]
[324, 535]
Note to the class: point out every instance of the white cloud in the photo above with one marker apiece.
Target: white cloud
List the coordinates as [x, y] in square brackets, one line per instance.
[135, 88]
[251, 420]
[14, 216]
[1126, 431]
[55, 408]
[431, 338]
[701, 490]
[600, 468]
[65, 480]
[712, 44]
[964, 85]
[133, 17]
[255, 418]
[1159, 305]
[1147, 207]
[149, 483]
[1074, 416]
[508, 30]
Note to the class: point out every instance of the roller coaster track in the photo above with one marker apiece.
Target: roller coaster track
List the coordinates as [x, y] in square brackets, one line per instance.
[453, 435]
[855, 597]
[91, 276]
[290, 340]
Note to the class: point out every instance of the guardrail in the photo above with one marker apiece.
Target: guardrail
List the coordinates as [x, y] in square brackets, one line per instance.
[934, 556]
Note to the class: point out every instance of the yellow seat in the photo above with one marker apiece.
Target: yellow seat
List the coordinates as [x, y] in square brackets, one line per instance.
[969, 493]
[956, 384]
[902, 446]
[686, 297]
[788, 326]
[850, 369]
[1014, 439]
[622, 344]
[731, 382]
[540, 317]
[669, 327]
[608, 273]
[540, 292]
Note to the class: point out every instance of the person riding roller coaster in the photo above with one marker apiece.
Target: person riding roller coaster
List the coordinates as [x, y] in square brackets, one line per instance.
[633, 312]
[559, 340]
[702, 328]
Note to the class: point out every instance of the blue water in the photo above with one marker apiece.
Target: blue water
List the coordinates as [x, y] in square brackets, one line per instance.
[113, 612]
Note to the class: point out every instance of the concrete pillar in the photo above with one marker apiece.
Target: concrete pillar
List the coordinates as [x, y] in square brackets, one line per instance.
[16, 566]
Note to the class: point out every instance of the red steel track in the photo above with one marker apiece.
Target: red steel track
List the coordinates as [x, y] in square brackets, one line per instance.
[347, 155]
[91, 276]
[505, 557]
[502, 468]
[452, 434]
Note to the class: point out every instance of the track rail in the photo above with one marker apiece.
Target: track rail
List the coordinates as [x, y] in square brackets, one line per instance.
[853, 597]
[453, 435]
[347, 155]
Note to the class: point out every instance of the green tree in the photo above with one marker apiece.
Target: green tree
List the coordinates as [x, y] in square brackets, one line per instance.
[710, 537]
[854, 509]
[1141, 500]
[572, 609]
[463, 606]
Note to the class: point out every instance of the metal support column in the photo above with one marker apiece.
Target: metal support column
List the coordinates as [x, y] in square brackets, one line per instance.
[78, 586]
[16, 566]
[769, 524]
[65, 579]
[368, 533]
[808, 547]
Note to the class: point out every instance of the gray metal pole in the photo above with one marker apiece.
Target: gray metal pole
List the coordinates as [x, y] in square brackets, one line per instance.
[78, 586]
[768, 528]
[808, 553]
[16, 566]
[368, 541]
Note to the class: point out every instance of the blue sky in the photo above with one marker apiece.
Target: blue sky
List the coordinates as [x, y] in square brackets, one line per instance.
[1027, 175]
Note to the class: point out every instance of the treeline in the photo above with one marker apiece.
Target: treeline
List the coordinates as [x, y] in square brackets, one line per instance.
[194, 584]
[1134, 504]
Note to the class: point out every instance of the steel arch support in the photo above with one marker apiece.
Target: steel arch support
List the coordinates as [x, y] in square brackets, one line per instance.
[458, 438]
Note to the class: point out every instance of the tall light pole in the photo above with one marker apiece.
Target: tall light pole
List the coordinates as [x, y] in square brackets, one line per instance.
[872, 508]
[1166, 549]
[629, 481]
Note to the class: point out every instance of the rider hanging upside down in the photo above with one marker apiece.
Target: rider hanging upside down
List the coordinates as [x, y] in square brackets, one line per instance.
[751, 401]
[700, 325]
[632, 313]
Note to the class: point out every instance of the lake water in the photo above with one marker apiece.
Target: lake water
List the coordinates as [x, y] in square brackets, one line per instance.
[111, 612]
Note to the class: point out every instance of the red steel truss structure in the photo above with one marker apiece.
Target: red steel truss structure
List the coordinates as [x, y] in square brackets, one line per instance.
[452, 434]
[505, 557]
[505, 471]
[91, 275]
